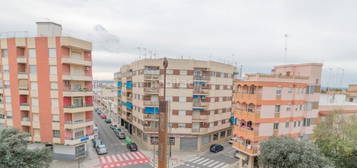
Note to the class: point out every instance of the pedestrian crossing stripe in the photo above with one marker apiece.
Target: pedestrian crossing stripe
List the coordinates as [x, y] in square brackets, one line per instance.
[202, 161]
[123, 159]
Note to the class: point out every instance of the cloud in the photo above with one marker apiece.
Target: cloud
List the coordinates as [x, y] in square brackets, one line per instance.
[248, 32]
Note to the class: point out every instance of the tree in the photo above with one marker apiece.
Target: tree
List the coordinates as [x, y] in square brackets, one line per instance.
[286, 152]
[14, 152]
[336, 136]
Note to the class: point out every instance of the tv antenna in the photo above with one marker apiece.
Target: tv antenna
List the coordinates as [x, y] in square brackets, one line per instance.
[285, 47]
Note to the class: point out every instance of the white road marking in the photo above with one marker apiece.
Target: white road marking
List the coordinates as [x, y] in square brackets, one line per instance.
[131, 157]
[193, 159]
[103, 160]
[219, 165]
[208, 162]
[109, 159]
[202, 161]
[119, 157]
[114, 158]
[124, 156]
[216, 162]
[136, 156]
[141, 155]
[198, 160]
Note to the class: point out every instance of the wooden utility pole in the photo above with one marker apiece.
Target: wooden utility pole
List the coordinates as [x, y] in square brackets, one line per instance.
[163, 126]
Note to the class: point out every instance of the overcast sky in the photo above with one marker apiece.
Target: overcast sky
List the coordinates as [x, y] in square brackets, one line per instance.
[246, 32]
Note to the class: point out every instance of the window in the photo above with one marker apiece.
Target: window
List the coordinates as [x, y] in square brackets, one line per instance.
[169, 72]
[299, 123]
[276, 126]
[4, 53]
[294, 124]
[7, 84]
[56, 133]
[33, 69]
[183, 72]
[32, 53]
[181, 125]
[277, 108]
[79, 134]
[34, 101]
[290, 90]
[154, 140]
[55, 118]
[52, 53]
[300, 107]
[5, 68]
[308, 106]
[33, 85]
[182, 85]
[306, 122]
[182, 99]
[8, 99]
[54, 103]
[172, 140]
[223, 134]
[287, 125]
[168, 85]
[53, 70]
[215, 136]
[182, 113]
[278, 91]
[229, 132]
[288, 107]
[215, 123]
[310, 89]
[53, 86]
[169, 98]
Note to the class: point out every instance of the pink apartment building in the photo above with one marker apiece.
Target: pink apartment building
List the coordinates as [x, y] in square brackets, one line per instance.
[283, 103]
[46, 89]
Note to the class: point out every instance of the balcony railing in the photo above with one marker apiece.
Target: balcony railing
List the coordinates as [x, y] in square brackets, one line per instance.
[200, 91]
[151, 103]
[199, 104]
[200, 118]
[151, 72]
[151, 116]
[76, 60]
[151, 90]
[150, 129]
[248, 149]
[203, 77]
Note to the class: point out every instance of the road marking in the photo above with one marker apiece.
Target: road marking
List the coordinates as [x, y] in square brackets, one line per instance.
[134, 154]
[216, 162]
[108, 158]
[208, 162]
[198, 160]
[119, 157]
[203, 161]
[114, 158]
[141, 155]
[131, 157]
[124, 156]
[193, 159]
[219, 165]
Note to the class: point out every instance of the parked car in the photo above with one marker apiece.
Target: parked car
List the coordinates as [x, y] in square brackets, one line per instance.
[113, 127]
[132, 147]
[116, 131]
[103, 116]
[233, 139]
[101, 149]
[108, 121]
[121, 135]
[216, 148]
[96, 142]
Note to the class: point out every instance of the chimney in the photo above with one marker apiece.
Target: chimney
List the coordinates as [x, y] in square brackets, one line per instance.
[48, 29]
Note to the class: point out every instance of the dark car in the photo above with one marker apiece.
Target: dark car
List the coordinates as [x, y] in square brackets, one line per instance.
[216, 148]
[132, 147]
[108, 121]
[113, 127]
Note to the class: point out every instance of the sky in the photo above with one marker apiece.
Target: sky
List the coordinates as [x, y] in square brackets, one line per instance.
[240, 32]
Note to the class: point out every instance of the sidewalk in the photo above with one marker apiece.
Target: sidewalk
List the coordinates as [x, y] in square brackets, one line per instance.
[91, 161]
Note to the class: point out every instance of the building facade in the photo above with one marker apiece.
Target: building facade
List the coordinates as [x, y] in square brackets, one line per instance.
[199, 95]
[351, 94]
[283, 103]
[46, 89]
[105, 98]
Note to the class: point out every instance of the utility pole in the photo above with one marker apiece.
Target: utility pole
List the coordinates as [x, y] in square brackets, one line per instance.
[163, 126]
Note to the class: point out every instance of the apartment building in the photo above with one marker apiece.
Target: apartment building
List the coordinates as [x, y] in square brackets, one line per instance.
[46, 89]
[351, 94]
[283, 103]
[105, 98]
[199, 95]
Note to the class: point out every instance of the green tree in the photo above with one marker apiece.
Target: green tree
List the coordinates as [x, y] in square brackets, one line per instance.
[336, 136]
[14, 152]
[286, 152]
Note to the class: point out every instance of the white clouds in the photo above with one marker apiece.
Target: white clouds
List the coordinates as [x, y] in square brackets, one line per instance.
[319, 30]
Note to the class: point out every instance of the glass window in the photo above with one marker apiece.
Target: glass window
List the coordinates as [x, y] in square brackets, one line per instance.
[4, 53]
[182, 99]
[33, 69]
[276, 126]
[52, 52]
[183, 72]
[33, 85]
[55, 118]
[56, 133]
[182, 113]
[288, 107]
[287, 125]
[169, 98]
[181, 125]
[79, 134]
[53, 70]
[32, 53]
[169, 72]
[277, 108]
[53, 86]
[34, 101]
[54, 103]
[7, 84]
[278, 91]
[5, 68]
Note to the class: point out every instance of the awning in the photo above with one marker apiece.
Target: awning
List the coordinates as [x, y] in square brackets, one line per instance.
[120, 92]
[129, 84]
[151, 110]
[129, 105]
[119, 84]
[199, 96]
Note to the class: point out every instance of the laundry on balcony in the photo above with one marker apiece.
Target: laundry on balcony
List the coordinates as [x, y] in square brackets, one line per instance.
[129, 84]
[151, 110]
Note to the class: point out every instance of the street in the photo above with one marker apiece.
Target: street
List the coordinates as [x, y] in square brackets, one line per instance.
[118, 154]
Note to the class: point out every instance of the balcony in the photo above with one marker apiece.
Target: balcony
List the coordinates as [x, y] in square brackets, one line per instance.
[75, 141]
[247, 133]
[248, 116]
[76, 77]
[151, 116]
[248, 98]
[24, 107]
[200, 91]
[24, 92]
[199, 104]
[25, 121]
[151, 103]
[78, 108]
[76, 61]
[149, 129]
[77, 124]
[149, 90]
[78, 92]
[151, 74]
[201, 118]
[22, 75]
[247, 149]
[203, 77]
[21, 59]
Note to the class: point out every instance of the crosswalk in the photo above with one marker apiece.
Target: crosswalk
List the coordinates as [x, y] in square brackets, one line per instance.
[202, 162]
[123, 159]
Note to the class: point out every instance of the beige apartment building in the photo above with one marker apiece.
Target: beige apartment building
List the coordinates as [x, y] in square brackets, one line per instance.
[199, 95]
